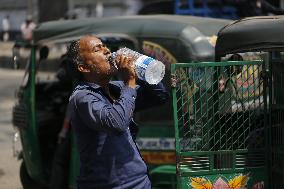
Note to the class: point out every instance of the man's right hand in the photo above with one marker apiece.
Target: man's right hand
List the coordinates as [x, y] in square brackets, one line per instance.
[126, 68]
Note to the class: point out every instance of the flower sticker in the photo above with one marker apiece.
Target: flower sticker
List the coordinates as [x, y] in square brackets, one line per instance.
[238, 182]
[200, 183]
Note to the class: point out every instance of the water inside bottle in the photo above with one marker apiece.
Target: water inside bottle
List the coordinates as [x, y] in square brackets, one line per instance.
[111, 60]
[155, 72]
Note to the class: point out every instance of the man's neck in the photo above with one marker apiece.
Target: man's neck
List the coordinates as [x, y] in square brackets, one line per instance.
[101, 82]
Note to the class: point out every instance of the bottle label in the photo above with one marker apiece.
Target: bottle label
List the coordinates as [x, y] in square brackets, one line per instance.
[141, 65]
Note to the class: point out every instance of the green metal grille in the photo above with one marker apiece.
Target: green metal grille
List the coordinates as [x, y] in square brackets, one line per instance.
[219, 116]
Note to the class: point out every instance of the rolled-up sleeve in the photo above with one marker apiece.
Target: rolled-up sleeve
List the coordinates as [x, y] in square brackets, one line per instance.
[99, 114]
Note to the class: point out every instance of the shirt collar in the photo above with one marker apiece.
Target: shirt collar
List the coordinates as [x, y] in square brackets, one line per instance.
[89, 84]
[93, 85]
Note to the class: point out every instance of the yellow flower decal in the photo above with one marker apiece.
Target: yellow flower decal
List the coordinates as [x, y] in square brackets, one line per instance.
[200, 183]
[239, 181]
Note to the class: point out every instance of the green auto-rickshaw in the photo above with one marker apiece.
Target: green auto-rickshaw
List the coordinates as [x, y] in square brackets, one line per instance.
[39, 111]
[229, 114]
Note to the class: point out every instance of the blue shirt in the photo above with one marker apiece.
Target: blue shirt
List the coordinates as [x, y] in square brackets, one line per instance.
[108, 154]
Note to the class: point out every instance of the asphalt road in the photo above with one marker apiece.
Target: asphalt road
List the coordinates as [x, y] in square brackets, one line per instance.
[9, 165]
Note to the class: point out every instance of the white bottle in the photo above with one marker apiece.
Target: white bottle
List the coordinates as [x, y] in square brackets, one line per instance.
[148, 69]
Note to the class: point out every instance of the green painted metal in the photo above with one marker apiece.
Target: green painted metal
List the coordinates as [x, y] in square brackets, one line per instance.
[161, 131]
[74, 163]
[173, 67]
[214, 64]
[167, 172]
[29, 137]
[220, 133]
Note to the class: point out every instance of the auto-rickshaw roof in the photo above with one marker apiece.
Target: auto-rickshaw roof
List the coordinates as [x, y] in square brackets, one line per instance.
[251, 34]
[160, 26]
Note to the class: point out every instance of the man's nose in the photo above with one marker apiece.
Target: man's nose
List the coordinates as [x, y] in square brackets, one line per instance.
[106, 50]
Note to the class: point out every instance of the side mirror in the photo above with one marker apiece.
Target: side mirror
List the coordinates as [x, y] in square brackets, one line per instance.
[16, 57]
[43, 53]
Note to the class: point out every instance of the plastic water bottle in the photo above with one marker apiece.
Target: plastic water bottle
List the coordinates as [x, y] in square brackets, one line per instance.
[148, 69]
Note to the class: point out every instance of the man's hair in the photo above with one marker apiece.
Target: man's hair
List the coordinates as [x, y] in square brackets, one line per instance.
[73, 54]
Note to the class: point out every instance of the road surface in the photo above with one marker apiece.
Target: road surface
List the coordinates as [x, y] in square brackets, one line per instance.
[9, 166]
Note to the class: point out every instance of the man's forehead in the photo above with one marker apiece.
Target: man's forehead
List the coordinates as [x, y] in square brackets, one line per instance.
[95, 42]
[90, 41]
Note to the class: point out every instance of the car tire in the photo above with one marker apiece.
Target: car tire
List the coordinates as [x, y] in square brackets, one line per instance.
[26, 180]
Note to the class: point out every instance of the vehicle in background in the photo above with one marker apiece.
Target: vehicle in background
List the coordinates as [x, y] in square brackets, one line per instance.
[233, 138]
[42, 99]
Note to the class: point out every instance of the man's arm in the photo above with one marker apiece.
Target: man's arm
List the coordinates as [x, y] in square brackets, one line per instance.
[99, 115]
[150, 95]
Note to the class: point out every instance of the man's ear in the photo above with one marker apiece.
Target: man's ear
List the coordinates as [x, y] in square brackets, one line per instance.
[83, 68]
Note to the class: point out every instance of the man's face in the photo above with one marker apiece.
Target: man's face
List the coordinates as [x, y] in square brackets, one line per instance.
[96, 55]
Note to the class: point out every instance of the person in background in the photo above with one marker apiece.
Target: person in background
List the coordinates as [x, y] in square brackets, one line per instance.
[61, 159]
[6, 28]
[27, 29]
[102, 117]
